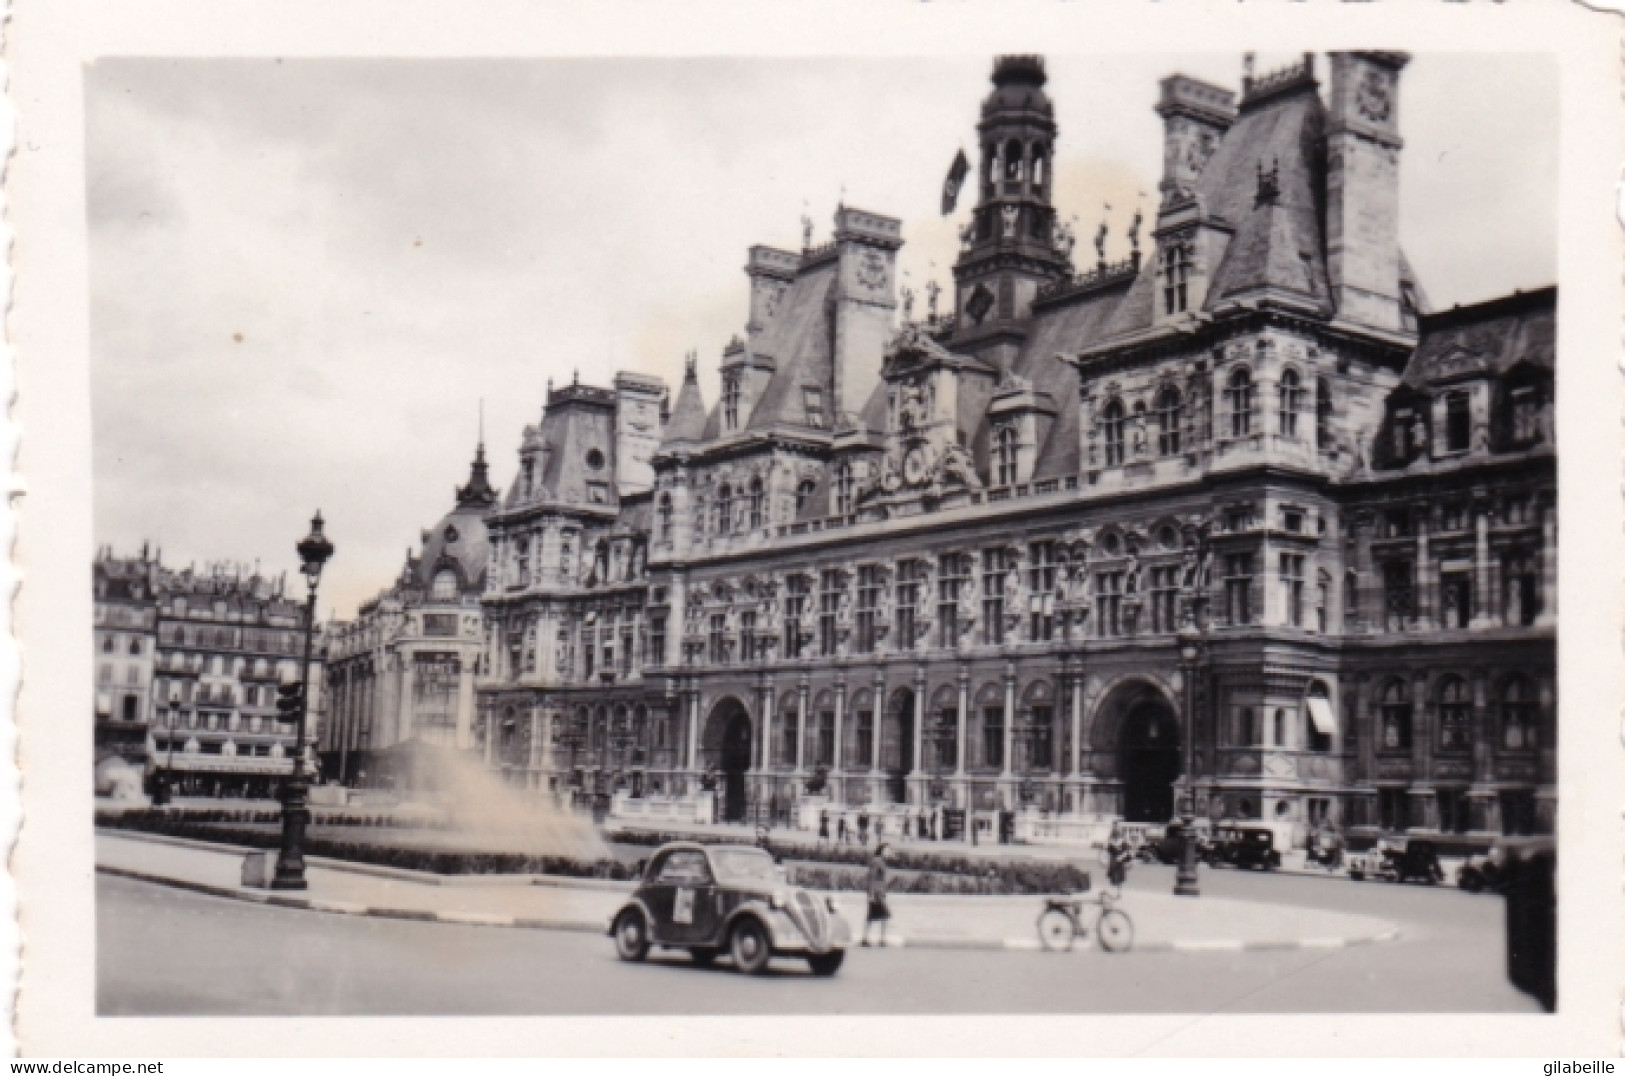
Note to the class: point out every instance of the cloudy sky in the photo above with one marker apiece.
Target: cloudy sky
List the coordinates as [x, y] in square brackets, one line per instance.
[307, 274]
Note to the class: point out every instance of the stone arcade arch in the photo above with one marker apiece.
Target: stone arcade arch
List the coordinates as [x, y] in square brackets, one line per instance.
[727, 745]
[1138, 724]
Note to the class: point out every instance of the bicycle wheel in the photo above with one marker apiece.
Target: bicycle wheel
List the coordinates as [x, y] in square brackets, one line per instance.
[1116, 931]
[1056, 930]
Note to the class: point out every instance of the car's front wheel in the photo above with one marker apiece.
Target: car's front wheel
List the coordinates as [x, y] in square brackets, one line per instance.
[749, 946]
[631, 935]
[826, 964]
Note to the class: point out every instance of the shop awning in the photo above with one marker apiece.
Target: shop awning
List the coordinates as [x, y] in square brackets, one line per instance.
[1324, 718]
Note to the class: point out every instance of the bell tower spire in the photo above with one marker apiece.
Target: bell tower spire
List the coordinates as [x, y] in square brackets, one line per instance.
[1010, 247]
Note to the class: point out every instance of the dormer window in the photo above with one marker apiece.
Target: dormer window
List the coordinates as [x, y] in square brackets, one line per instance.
[1458, 422]
[813, 400]
[1291, 393]
[1004, 456]
[725, 509]
[1176, 271]
[1111, 430]
[843, 489]
[444, 588]
[1524, 403]
[730, 402]
[804, 490]
[754, 505]
[530, 477]
[1239, 395]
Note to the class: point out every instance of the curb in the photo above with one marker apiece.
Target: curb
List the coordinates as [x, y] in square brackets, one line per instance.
[577, 926]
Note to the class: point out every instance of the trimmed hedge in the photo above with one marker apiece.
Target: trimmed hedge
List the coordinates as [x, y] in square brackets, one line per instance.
[910, 874]
[248, 817]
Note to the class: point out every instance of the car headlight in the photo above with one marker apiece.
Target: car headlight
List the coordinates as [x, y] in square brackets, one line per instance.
[778, 899]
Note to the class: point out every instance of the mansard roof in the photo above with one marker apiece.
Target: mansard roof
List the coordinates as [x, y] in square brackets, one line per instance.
[798, 340]
[1277, 243]
[1487, 338]
[1056, 329]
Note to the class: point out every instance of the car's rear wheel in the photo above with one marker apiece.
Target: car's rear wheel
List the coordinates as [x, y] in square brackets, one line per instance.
[631, 935]
[749, 946]
[703, 955]
[826, 964]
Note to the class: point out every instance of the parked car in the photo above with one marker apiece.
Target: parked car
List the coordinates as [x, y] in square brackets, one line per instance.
[1484, 871]
[1324, 848]
[1245, 845]
[1168, 849]
[1411, 861]
[728, 899]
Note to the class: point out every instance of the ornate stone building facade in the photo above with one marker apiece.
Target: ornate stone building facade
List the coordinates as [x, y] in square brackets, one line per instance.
[188, 664]
[1235, 512]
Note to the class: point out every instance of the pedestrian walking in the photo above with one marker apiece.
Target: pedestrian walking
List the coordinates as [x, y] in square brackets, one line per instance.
[879, 912]
[863, 827]
[823, 828]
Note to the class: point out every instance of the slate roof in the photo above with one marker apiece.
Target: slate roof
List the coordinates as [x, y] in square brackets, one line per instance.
[799, 340]
[1493, 336]
[1055, 329]
[687, 421]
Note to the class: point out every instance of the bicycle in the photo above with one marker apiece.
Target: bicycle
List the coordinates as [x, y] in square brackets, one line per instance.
[1060, 924]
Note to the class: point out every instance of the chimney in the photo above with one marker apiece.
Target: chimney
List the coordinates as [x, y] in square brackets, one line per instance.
[770, 273]
[1195, 116]
[1362, 188]
[867, 245]
[638, 402]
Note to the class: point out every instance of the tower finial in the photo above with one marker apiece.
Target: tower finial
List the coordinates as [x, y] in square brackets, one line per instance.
[690, 362]
[482, 423]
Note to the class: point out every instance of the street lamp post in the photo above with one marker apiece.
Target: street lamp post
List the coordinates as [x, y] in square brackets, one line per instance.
[314, 552]
[1185, 880]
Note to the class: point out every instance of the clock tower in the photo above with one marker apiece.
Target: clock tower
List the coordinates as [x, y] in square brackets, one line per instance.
[1009, 249]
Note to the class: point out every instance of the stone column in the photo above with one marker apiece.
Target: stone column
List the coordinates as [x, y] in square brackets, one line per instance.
[1422, 803]
[676, 597]
[838, 763]
[769, 701]
[465, 704]
[801, 727]
[1007, 780]
[1426, 576]
[1481, 802]
[694, 731]
[916, 776]
[875, 779]
[961, 717]
[1074, 761]
[1486, 607]
[1548, 567]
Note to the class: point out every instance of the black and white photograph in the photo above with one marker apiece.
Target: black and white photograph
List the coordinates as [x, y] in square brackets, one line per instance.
[1052, 531]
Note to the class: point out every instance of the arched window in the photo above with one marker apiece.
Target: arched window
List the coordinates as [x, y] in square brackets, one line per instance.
[1111, 429]
[753, 502]
[1291, 397]
[730, 402]
[1280, 728]
[1170, 416]
[1520, 717]
[1004, 456]
[1238, 396]
[135, 647]
[1395, 708]
[1323, 414]
[725, 509]
[444, 587]
[843, 489]
[1176, 271]
[1455, 715]
[1013, 161]
[1038, 170]
[665, 517]
[804, 491]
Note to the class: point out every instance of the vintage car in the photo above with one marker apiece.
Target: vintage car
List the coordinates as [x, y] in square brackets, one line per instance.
[715, 899]
[1403, 861]
[1244, 845]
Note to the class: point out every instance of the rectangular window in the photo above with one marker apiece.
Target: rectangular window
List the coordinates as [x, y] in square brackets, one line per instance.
[1165, 598]
[1525, 415]
[524, 562]
[909, 573]
[656, 656]
[1399, 594]
[719, 639]
[993, 736]
[813, 400]
[1041, 738]
[993, 573]
[1452, 810]
[589, 651]
[1391, 808]
[795, 608]
[626, 652]
[1238, 588]
[829, 607]
[865, 739]
[952, 570]
[1041, 585]
[730, 402]
[1520, 597]
[1292, 588]
[824, 750]
[1458, 422]
[1456, 599]
[868, 603]
[1109, 601]
[747, 637]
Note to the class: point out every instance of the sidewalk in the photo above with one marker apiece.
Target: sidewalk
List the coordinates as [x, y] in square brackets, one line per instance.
[1161, 921]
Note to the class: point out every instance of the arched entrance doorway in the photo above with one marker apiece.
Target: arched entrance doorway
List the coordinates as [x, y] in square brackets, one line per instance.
[728, 751]
[1148, 760]
[897, 750]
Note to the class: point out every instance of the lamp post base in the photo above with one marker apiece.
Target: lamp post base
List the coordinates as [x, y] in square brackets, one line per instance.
[1185, 880]
[290, 861]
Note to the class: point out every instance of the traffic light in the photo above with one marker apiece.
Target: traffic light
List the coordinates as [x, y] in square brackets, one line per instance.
[290, 702]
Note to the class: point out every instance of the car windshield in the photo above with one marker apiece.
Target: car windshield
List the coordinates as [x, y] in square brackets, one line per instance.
[744, 865]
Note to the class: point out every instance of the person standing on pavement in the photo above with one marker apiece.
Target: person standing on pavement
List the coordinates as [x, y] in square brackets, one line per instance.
[823, 828]
[879, 912]
[863, 827]
[841, 836]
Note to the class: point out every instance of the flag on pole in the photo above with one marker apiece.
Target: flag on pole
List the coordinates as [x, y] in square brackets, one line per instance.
[955, 180]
